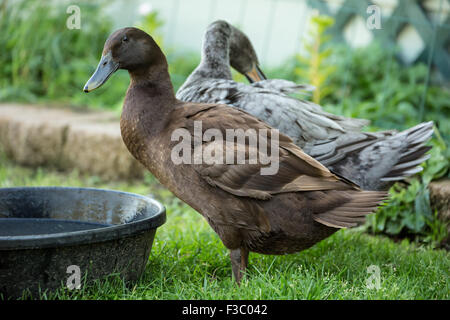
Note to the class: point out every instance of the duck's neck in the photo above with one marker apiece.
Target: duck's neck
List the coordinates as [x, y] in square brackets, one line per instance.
[149, 101]
[154, 79]
[151, 88]
[215, 61]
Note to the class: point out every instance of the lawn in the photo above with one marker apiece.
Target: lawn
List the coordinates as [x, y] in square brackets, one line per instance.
[188, 261]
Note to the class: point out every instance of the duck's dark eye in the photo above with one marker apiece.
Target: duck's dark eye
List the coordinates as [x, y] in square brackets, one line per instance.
[125, 39]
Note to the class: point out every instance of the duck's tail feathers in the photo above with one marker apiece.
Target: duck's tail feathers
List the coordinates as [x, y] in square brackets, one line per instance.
[374, 161]
[413, 154]
[353, 212]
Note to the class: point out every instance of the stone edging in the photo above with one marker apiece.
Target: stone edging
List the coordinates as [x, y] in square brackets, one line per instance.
[90, 141]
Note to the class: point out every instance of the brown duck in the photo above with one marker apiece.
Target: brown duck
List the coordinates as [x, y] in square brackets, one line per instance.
[280, 213]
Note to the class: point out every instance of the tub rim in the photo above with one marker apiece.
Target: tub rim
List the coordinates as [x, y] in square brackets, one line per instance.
[90, 236]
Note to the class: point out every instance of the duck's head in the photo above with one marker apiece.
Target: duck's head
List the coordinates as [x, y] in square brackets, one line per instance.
[218, 30]
[128, 48]
[243, 57]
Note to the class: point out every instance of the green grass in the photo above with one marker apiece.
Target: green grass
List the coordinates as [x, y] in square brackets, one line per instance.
[188, 261]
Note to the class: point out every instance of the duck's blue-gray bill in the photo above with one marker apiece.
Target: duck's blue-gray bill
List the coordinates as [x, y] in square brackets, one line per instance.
[106, 67]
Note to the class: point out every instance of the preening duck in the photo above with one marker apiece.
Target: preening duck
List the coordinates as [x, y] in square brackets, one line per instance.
[372, 160]
[284, 211]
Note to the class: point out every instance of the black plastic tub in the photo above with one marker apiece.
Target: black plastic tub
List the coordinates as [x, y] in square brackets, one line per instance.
[53, 237]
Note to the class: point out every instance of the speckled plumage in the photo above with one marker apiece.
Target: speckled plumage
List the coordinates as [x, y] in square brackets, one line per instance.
[372, 160]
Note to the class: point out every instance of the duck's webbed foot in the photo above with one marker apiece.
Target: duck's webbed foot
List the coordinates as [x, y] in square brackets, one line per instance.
[239, 261]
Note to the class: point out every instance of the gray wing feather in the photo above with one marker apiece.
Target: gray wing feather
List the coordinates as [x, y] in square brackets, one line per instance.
[387, 159]
[302, 120]
[372, 160]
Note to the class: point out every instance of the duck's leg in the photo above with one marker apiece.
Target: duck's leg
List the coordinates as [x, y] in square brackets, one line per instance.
[239, 261]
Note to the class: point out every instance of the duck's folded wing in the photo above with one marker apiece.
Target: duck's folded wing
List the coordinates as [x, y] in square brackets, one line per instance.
[334, 202]
[303, 121]
[330, 152]
[279, 167]
[384, 158]
[291, 174]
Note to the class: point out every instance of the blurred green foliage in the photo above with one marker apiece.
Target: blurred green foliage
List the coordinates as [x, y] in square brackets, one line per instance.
[313, 65]
[44, 61]
[152, 23]
[374, 85]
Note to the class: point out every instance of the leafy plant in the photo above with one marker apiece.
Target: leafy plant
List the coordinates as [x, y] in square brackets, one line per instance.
[408, 212]
[313, 66]
[43, 61]
[370, 83]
